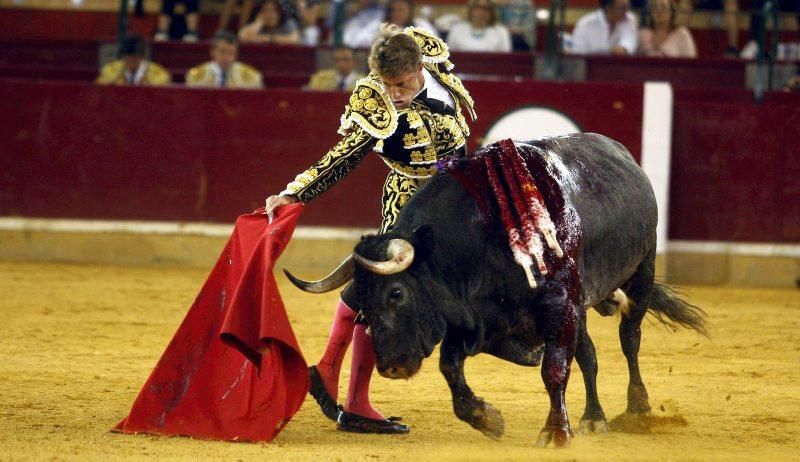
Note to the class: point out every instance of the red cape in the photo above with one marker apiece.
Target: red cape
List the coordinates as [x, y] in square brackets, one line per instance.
[233, 370]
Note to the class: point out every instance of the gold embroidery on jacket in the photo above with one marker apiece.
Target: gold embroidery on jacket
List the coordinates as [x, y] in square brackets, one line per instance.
[370, 108]
[334, 165]
[397, 190]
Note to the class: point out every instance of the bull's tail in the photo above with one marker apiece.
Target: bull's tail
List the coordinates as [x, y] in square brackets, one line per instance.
[674, 312]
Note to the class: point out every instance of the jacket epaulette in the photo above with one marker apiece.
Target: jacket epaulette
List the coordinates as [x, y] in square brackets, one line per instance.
[370, 108]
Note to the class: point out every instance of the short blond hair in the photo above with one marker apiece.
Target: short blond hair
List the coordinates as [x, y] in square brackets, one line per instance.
[394, 52]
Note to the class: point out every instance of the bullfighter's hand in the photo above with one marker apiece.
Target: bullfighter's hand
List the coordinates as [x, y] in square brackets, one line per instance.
[273, 202]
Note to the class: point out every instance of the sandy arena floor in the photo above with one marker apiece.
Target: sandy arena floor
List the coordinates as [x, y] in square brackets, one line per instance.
[78, 342]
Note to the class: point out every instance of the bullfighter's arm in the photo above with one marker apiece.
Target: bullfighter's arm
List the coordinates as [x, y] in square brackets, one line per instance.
[334, 165]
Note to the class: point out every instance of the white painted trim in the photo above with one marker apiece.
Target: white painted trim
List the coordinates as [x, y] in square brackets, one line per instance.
[735, 248]
[657, 150]
[325, 232]
[163, 228]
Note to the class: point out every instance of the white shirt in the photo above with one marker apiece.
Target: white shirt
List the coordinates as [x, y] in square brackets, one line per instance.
[347, 80]
[463, 37]
[436, 90]
[136, 78]
[360, 30]
[592, 34]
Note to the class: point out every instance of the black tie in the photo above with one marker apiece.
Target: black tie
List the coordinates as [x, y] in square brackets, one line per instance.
[342, 86]
[223, 78]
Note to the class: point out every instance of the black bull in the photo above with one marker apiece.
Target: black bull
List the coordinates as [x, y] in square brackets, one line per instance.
[446, 273]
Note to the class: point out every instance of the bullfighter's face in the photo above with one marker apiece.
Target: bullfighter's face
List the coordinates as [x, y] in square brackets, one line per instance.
[402, 88]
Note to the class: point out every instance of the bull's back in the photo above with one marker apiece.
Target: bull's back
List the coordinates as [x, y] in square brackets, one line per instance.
[614, 203]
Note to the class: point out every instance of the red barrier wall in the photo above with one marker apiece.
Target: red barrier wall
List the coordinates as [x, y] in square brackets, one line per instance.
[83, 151]
[735, 167]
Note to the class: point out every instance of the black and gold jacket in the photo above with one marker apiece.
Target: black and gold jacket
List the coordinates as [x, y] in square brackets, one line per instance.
[409, 141]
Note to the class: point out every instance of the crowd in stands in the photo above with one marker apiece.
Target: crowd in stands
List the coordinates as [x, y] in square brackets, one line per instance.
[495, 26]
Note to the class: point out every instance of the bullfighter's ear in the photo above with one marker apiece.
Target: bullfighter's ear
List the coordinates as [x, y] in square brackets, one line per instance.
[422, 240]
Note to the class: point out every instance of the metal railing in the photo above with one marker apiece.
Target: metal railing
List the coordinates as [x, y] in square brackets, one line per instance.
[769, 13]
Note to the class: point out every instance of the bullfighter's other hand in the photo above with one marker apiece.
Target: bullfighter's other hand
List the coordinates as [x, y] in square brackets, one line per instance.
[273, 202]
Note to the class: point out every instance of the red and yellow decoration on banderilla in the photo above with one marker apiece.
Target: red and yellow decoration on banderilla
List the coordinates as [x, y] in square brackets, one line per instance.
[522, 210]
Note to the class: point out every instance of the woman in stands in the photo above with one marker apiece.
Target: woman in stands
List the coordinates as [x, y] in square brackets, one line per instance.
[481, 32]
[272, 25]
[662, 37]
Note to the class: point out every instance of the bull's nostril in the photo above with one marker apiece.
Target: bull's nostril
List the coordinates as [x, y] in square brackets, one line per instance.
[393, 370]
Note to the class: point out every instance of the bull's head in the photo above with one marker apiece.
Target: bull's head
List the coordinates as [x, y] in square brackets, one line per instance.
[400, 293]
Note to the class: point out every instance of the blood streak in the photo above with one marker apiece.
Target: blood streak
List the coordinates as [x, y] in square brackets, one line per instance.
[532, 241]
[514, 241]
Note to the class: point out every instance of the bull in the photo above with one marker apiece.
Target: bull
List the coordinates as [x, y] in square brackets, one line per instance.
[446, 273]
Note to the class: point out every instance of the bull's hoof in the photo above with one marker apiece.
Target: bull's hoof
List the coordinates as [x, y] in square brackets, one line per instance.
[559, 437]
[490, 421]
[588, 426]
[481, 416]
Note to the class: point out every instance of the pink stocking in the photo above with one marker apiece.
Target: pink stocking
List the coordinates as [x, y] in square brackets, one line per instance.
[360, 373]
[341, 334]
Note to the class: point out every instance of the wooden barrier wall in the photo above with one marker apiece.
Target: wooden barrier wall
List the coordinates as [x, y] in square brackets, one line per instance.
[84, 151]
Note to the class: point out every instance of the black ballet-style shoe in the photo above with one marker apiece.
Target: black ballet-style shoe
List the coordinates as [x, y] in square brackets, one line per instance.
[326, 402]
[349, 422]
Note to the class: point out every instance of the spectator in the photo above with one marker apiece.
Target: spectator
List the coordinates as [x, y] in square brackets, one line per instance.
[519, 16]
[663, 37]
[178, 20]
[227, 11]
[609, 30]
[481, 32]
[133, 68]
[308, 17]
[363, 22]
[224, 71]
[272, 25]
[342, 76]
[731, 9]
[401, 13]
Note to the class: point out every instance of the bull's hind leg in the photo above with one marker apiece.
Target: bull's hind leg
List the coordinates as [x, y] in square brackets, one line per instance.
[468, 407]
[559, 327]
[594, 419]
[630, 333]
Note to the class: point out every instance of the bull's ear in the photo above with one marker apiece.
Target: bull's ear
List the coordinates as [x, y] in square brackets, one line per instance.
[422, 240]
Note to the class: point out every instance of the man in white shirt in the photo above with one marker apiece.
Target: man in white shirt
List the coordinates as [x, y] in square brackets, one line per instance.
[609, 30]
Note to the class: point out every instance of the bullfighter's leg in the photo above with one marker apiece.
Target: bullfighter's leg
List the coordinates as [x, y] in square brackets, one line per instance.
[468, 407]
[325, 374]
[560, 331]
[594, 419]
[630, 332]
[361, 367]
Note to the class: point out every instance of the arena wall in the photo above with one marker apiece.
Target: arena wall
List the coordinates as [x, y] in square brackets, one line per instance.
[176, 155]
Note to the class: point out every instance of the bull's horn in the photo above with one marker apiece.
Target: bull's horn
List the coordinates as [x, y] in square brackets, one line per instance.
[339, 277]
[401, 255]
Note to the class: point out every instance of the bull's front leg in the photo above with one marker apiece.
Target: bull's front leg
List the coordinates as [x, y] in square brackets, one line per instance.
[561, 334]
[468, 407]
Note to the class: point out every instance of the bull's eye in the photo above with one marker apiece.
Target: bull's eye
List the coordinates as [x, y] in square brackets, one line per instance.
[395, 294]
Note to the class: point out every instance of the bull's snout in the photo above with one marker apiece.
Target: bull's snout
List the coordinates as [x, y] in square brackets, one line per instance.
[402, 368]
[395, 373]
